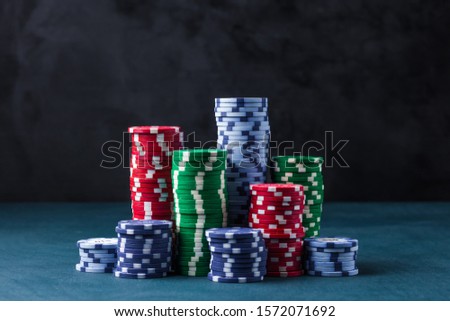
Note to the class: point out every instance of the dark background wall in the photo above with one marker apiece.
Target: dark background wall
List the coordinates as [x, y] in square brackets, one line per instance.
[75, 73]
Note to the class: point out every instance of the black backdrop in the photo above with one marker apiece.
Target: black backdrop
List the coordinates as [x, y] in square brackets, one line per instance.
[76, 73]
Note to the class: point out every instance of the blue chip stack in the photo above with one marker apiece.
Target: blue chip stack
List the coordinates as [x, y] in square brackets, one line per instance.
[238, 255]
[243, 130]
[331, 256]
[97, 255]
[144, 249]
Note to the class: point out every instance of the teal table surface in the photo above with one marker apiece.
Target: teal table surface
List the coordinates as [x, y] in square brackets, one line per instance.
[404, 254]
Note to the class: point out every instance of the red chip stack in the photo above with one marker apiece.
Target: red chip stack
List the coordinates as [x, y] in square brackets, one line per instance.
[150, 170]
[277, 210]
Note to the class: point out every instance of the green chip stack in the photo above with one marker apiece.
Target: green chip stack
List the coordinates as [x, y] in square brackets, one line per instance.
[200, 203]
[307, 171]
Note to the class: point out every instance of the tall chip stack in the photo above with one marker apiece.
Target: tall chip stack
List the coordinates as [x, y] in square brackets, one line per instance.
[200, 203]
[277, 210]
[150, 170]
[244, 131]
[307, 171]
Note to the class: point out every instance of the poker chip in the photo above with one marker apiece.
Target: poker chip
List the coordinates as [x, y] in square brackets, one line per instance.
[243, 130]
[276, 210]
[303, 171]
[331, 256]
[97, 255]
[150, 170]
[144, 249]
[238, 255]
[200, 202]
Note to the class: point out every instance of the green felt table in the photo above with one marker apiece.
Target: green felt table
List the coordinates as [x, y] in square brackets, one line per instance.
[404, 255]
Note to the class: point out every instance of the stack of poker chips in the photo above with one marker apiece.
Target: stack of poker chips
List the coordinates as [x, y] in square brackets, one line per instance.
[244, 131]
[200, 202]
[150, 165]
[334, 256]
[97, 255]
[144, 249]
[307, 171]
[277, 210]
[238, 255]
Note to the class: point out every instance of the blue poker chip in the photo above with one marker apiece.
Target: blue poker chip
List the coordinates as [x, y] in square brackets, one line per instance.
[243, 127]
[161, 233]
[161, 265]
[235, 123]
[330, 266]
[241, 100]
[219, 249]
[235, 274]
[147, 247]
[240, 114]
[102, 260]
[97, 265]
[219, 266]
[235, 246]
[82, 268]
[332, 259]
[154, 255]
[331, 242]
[98, 256]
[124, 275]
[232, 233]
[236, 260]
[235, 109]
[106, 251]
[328, 255]
[242, 132]
[140, 237]
[142, 270]
[331, 250]
[163, 259]
[97, 243]
[244, 170]
[241, 175]
[334, 274]
[144, 225]
[228, 265]
[146, 241]
[221, 279]
[124, 250]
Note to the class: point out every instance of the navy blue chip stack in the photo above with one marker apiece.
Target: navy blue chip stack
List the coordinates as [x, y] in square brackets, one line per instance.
[331, 256]
[238, 255]
[97, 255]
[243, 130]
[144, 249]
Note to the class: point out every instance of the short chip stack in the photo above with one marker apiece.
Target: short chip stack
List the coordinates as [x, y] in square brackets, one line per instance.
[277, 210]
[238, 255]
[97, 255]
[307, 171]
[331, 256]
[144, 249]
[200, 202]
[244, 131]
[150, 165]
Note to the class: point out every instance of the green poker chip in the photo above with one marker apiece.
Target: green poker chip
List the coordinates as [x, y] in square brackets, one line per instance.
[193, 154]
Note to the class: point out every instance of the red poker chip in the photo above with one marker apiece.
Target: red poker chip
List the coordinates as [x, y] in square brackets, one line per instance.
[158, 138]
[277, 194]
[150, 181]
[270, 242]
[155, 215]
[284, 260]
[150, 172]
[287, 266]
[152, 216]
[284, 199]
[152, 159]
[279, 205]
[151, 190]
[285, 274]
[279, 221]
[143, 164]
[154, 129]
[153, 198]
[284, 255]
[273, 187]
[279, 230]
[151, 187]
[151, 206]
[295, 249]
[283, 228]
[282, 236]
[270, 208]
